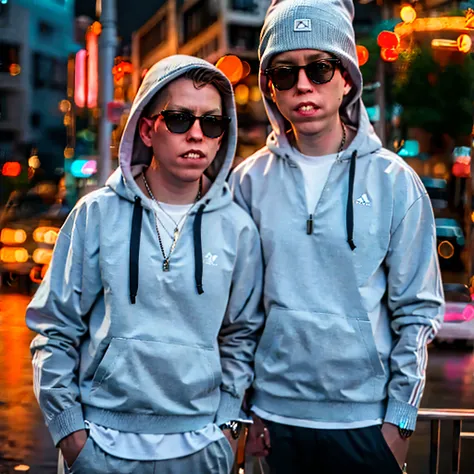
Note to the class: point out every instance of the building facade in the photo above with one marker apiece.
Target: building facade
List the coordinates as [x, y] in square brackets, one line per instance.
[36, 37]
[210, 29]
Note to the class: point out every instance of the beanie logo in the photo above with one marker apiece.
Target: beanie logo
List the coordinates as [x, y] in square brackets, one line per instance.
[302, 25]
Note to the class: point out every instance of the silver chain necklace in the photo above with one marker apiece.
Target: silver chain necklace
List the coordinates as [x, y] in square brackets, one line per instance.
[176, 233]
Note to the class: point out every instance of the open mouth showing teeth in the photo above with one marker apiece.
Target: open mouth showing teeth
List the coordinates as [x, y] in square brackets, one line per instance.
[307, 108]
[192, 156]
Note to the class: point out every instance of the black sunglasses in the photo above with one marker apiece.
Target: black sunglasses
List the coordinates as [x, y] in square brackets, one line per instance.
[318, 72]
[212, 126]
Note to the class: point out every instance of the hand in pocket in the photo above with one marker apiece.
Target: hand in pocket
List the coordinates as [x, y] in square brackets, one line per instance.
[258, 440]
[72, 445]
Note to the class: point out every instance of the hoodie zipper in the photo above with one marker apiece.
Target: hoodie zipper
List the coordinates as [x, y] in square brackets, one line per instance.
[310, 219]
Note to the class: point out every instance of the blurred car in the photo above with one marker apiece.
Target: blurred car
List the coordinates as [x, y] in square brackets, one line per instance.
[29, 227]
[438, 192]
[458, 324]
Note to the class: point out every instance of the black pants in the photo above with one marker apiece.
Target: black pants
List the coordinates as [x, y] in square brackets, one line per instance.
[312, 451]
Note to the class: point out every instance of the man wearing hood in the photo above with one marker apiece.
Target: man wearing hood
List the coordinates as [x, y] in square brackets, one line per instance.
[352, 289]
[148, 317]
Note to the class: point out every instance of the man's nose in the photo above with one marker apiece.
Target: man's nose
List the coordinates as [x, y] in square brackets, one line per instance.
[195, 132]
[303, 84]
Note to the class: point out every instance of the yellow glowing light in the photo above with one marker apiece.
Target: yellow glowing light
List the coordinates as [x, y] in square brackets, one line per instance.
[42, 256]
[13, 255]
[439, 170]
[39, 234]
[50, 237]
[444, 44]
[255, 95]
[448, 23]
[68, 152]
[96, 28]
[464, 43]
[408, 14]
[232, 67]
[34, 162]
[67, 120]
[472, 216]
[445, 250]
[242, 93]
[12, 236]
[15, 69]
[22, 467]
[65, 106]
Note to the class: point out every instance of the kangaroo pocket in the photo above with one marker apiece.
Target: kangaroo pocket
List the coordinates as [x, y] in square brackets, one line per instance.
[154, 377]
[317, 357]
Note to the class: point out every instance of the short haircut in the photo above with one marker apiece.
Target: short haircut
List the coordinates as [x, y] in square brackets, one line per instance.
[201, 77]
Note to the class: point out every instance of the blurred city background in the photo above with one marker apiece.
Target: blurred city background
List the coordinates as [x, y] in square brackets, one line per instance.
[69, 71]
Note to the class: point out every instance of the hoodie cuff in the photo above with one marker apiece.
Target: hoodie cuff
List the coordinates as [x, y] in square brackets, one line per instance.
[229, 408]
[401, 414]
[66, 423]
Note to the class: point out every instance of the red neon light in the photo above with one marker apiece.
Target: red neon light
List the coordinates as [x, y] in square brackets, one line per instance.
[389, 55]
[388, 40]
[11, 169]
[362, 54]
[80, 79]
[92, 45]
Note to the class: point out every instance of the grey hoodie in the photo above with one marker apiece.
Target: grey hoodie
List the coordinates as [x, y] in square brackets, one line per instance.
[372, 252]
[127, 346]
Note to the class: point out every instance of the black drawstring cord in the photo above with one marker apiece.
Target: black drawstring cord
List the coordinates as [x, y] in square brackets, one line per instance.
[198, 270]
[135, 248]
[350, 204]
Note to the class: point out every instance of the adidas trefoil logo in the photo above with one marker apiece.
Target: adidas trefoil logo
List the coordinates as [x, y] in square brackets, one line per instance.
[364, 200]
[210, 259]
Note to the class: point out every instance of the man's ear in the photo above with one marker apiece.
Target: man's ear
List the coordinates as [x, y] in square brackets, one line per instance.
[348, 84]
[271, 90]
[145, 127]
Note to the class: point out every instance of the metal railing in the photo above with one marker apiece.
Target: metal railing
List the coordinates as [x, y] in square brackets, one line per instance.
[435, 417]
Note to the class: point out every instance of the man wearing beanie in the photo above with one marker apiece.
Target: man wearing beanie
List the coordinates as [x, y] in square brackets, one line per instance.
[352, 291]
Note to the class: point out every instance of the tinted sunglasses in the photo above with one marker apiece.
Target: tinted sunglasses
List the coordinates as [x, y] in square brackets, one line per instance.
[212, 126]
[318, 72]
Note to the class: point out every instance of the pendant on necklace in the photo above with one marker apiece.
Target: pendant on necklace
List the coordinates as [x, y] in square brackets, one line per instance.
[166, 265]
[176, 234]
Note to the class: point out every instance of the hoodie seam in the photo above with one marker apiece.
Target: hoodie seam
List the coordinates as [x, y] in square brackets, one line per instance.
[406, 213]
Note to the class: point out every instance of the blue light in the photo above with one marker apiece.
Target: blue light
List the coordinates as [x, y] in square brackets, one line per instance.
[83, 168]
[4, 2]
[410, 149]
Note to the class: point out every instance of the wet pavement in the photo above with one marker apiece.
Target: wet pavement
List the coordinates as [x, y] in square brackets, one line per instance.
[25, 442]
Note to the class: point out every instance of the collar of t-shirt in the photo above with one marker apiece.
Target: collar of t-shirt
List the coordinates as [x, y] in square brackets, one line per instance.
[315, 171]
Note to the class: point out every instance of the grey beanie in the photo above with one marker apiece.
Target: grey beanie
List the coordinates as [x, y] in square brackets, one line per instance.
[325, 25]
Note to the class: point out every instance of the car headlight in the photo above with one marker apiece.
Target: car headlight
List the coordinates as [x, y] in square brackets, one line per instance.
[14, 255]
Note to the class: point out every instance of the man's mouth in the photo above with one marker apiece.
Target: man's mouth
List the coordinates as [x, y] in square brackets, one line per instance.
[306, 107]
[193, 155]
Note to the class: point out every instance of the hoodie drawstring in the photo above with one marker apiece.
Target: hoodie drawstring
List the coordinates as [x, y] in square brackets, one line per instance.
[350, 204]
[198, 270]
[135, 248]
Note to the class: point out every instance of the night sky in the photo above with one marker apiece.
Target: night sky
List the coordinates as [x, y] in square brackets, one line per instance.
[131, 14]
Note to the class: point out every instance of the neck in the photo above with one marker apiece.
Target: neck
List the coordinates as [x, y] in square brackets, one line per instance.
[325, 142]
[168, 189]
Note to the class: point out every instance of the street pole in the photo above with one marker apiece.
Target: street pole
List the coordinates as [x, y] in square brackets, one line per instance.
[381, 126]
[107, 50]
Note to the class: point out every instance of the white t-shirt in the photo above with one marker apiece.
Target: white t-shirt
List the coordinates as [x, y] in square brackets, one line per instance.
[315, 171]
